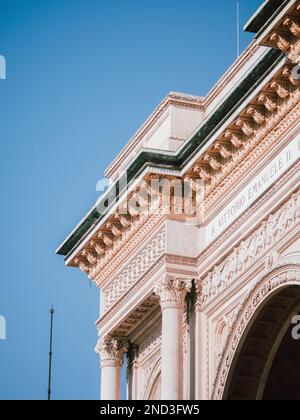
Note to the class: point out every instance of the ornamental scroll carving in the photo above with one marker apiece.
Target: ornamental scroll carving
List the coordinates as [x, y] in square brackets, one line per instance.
[135, 270]
[251, 249]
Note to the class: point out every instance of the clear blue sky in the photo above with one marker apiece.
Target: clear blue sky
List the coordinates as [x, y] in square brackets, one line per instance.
[82, 75]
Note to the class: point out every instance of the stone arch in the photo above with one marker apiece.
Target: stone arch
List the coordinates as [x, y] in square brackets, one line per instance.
[267, 286]
[154, 381]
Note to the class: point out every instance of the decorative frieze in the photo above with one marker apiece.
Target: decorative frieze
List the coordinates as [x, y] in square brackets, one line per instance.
[251, 249]
[121, 254]
[137, 268]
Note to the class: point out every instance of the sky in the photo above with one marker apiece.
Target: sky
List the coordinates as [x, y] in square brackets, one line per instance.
[82, 76]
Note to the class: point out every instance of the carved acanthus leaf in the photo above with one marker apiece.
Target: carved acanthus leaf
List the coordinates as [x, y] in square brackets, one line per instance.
[172, 291]
[111, 351]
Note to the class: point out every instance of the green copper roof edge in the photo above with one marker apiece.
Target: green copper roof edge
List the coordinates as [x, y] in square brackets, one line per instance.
[265, 15]
[177, 161]
[266, 25]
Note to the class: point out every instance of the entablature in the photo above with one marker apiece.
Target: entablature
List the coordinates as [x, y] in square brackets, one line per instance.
[127, 314]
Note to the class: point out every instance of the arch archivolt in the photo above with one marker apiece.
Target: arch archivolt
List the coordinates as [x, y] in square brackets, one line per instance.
[281, 276]
[152, 391]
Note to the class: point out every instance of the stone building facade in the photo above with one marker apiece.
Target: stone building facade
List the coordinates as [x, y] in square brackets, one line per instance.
[199, 290]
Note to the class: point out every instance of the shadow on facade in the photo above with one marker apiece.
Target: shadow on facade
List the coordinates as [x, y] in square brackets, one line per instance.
[267, 364]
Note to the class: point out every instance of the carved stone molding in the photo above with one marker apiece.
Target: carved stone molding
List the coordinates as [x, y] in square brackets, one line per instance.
[271, 260]
[151, 344]
[132, 272]
[151, 380]
[251, 249]
[111, 351]
[276, 125]
[265, 285]
[256, 122]
[172, 291]
[285, 36]
[222, 332]
[137, 229]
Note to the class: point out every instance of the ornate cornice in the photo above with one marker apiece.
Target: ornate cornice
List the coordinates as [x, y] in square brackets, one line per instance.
[257, 122]
[207, 259]
[172, 291]
[244, 134]
[285, 117]
[72, 247]
[111, 351]
[285, 36]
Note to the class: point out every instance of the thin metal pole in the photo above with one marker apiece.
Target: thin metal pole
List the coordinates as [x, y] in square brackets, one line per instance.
[50, 353]
[238, 28]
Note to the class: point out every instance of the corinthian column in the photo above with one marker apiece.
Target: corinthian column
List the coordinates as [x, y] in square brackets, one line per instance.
[172, 292]
[111, 352]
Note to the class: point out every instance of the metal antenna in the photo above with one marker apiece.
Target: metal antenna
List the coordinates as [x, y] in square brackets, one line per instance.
[238, 47]
[50, 353]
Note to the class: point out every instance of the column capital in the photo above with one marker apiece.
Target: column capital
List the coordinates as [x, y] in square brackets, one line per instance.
[172, 291]
[111, 351]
